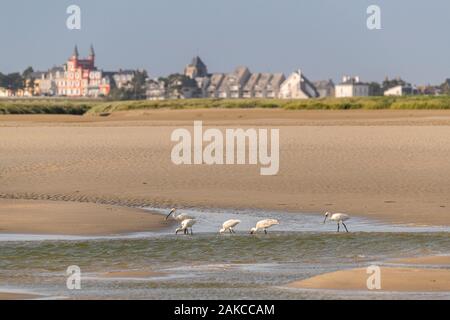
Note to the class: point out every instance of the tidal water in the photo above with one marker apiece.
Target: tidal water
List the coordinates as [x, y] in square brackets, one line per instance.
[212, 266]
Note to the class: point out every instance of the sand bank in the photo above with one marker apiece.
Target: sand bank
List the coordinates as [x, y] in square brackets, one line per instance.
[392, 279]
[430, 260]
[74, 218]
[167, 117]
[18, 296]
[385, 164]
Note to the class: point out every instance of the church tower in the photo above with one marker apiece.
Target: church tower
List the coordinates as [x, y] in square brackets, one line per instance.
[73, 61]
[196, 68]
[92, 53]
[75, 53]
[91, 56]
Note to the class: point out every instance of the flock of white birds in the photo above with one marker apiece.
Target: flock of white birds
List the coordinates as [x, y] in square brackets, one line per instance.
[187, 222]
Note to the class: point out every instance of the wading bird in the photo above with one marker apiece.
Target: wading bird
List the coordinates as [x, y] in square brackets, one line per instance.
[180, 217]
[338, 217]
[185, 226]
[229, 225]
[264, 225]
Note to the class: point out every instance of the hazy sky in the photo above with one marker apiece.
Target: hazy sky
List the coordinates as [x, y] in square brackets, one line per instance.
[325, 38]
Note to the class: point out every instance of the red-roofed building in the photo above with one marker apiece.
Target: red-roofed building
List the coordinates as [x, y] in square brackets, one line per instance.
[81, 78]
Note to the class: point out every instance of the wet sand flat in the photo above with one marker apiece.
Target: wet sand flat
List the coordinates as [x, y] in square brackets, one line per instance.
[428, 260]
[382, 164]
[73, 218]
[392, 279]
[17, 296]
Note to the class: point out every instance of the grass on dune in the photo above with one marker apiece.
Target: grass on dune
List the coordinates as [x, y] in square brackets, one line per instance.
[417, 102]
[47, 106]
[79, 107]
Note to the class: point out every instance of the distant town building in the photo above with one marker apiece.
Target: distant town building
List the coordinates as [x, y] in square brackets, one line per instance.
[445, 87]
[32, 83]
[401, 90]
[297, 86]
[123, 78]
[81, 78]
[215, 81]
[351, 87]
[233, 84]
[273, 87]
[196, 69]
[5, 93]
[156, 90]
[325, 88]
[238, 84]
[47, 82]
[202, 87]
[179, 86]
[249, 88]
[429, 90]
[263, 85]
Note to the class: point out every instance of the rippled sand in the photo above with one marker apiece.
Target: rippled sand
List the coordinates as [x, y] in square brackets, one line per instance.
[384, 164]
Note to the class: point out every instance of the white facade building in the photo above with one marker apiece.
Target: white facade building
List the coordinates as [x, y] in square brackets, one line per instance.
[297, 86]
[400, 91]
[122, 78]
[4, 92]
[351, 87]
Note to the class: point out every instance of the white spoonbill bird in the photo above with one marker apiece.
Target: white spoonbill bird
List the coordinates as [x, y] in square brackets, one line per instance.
[179, 217]
[185, 226]
[229, 225]
[264, 224]
[338, 217]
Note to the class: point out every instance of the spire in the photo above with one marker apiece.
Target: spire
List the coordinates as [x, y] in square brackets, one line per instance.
[91, 51]
[75, 52]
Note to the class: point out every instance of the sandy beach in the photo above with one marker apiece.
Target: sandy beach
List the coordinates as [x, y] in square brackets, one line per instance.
[385, 164]
[74, 218]
[392, 279]
[18, 296]
[417, 274]
[428, 260]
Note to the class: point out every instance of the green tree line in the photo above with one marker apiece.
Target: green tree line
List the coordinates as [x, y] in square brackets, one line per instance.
[16, 80]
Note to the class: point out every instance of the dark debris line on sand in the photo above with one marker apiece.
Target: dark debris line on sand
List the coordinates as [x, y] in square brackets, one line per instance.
[132, 203]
